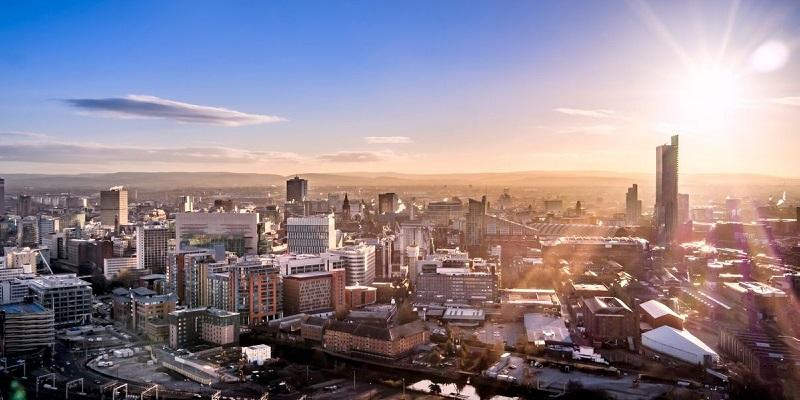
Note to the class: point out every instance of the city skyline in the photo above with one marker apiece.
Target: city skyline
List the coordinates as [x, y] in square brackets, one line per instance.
[332, 88]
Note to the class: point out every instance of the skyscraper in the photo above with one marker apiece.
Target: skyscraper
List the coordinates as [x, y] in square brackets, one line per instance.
[476, 224]
[114, 206]
[311, 235]
[683, 208]
[633, 206]
[387, 203]
[2, 196]
[24, 205]
[296, 190]
[151, 247]
[666, 207]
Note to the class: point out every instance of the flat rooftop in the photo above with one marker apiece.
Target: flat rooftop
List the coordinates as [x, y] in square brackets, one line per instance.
[57, 281]
[21, 308]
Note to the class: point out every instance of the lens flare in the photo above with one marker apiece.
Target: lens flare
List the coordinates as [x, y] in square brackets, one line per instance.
[770, 56]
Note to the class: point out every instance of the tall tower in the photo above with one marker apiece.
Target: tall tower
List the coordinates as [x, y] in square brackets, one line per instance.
[2, 196]
[114, 206]
[346, 208]
[666, 207]
[296, 190]
[633, 206]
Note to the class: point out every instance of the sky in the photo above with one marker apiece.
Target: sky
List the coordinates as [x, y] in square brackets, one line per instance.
[414, 86]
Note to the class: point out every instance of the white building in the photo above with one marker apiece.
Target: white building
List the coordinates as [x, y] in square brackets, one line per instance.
[679, 344]
[291, 264]
[113, 267]
[21, 257]
[359, 263]
[311, 235]
[47, 226]
[151, 247]
[257, 354]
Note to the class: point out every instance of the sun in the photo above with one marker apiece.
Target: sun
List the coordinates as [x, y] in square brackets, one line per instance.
[707, 97]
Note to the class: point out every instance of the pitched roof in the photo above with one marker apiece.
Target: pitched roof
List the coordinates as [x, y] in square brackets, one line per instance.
[657, 309]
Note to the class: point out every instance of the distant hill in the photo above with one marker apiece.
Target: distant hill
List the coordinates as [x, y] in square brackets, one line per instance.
[225, 180]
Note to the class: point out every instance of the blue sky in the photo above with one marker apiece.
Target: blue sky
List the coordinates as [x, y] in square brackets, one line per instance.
[437, 86]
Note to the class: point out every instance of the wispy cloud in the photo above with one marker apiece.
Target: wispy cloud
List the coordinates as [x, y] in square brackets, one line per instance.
[23, 135]
[355, 156]
[594, 113]
[142, 106]
[388, 139]
[71, 153]
[597, 129]
[784, 101]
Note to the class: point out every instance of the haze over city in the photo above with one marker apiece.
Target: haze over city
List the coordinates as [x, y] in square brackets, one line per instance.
[420, 87]
[417, 200]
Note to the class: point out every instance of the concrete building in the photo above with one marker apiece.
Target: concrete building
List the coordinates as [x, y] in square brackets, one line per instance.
[151, 247]
[457, 285]
[47, 226]
[444, 213]
[114, 207]
[189, 327]
[257, 354]
[666, 206]
[290, 264]
[28, 232]
[185, 204]
[475, 228]
[25, 206]
[388, 203]
[2, 196]
[311, 235]
[114, 267]
[633, 206]
[25, 328]
[144, 311]
[296, 190]
[235, 232]
[68, 297]
[313, 292]
[359, 262]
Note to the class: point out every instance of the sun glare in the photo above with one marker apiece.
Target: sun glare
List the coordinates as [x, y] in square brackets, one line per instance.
[707, 97]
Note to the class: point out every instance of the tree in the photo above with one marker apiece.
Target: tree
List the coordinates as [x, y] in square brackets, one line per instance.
[435, 388]
[406, 313]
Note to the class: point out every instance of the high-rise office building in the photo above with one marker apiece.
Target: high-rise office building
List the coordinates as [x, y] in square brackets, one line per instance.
[24, 205]
[114, 207]
[151, 247]
[666, 207]
[68, 297]
[733, 209]
[633, 206]
[47, 226]
[185, 203]
[476, 224]
[683, 208]
[358, 262]
[311, 235]
[388, 203]
[28, 232]
[296, 190]
[2, 196]
[236, 232]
